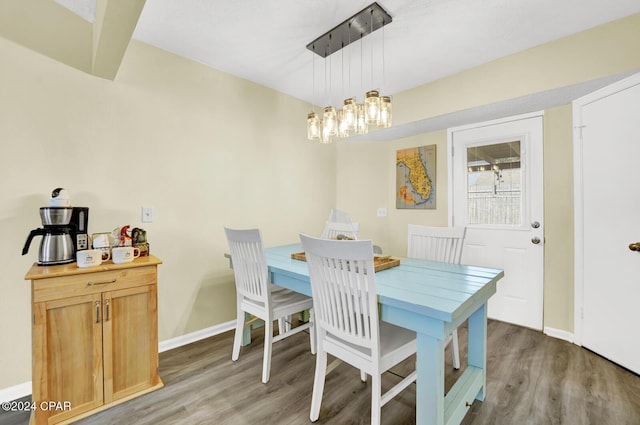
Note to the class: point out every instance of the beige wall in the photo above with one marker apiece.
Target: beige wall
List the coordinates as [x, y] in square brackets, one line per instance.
[558, 218]
[168, 133]
[366, 182]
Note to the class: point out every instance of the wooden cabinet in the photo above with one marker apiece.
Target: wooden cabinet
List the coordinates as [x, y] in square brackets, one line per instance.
[94, 337]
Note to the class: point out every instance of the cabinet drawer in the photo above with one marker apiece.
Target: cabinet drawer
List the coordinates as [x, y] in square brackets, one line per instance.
[92, 283]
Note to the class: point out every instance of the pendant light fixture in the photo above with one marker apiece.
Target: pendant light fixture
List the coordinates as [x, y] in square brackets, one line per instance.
[350, 110]
[354, 117]
[313, 126]
[361, 121]
[384, 120]
[385, 114]
[343, 129]
[372, 107]
[372, 97]
[330, 121]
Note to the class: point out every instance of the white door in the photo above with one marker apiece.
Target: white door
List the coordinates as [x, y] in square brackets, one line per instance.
[607, 206]
[497, 193]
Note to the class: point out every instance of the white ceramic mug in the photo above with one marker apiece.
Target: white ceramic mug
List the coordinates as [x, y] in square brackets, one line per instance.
[90, 257]
[124, 254]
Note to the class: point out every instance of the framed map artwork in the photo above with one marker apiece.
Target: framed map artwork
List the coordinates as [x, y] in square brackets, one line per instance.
[416, 178]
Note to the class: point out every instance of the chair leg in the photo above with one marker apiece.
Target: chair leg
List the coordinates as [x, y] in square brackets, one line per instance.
[376, 398]
[312, 332]
[287, 323]
[318, 384]
[455, 352]
[363, 375]
[268, 345]
[284, 325]
[237, 339]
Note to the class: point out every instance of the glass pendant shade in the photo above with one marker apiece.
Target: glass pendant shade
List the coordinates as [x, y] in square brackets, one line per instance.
[385, 112]
[324, 136]
[343, 129]
[361, 123]
[330, 121]
[372, 106]
[350, 110]
[313, 126]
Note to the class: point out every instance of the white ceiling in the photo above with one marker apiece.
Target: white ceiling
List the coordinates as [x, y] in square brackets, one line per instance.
[264, 40]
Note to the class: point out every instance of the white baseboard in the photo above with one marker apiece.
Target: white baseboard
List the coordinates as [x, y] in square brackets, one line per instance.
[24, 389]
[559, 333]
[15, 392]
[181, 340]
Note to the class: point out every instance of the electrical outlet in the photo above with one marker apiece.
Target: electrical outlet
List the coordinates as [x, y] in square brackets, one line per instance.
[147, 214]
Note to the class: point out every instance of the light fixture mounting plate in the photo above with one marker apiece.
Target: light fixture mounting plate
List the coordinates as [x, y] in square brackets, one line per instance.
[366, 21]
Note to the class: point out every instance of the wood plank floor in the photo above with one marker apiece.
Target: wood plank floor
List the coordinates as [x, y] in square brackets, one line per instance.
[532, 379]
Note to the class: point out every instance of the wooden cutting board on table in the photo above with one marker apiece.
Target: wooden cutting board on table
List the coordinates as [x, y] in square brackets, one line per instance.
[381, 262]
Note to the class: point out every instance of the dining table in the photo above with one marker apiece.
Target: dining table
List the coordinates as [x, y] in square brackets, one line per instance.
[431, 298]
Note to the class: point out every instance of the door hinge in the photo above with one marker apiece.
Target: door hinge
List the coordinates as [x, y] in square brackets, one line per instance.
[580, 128]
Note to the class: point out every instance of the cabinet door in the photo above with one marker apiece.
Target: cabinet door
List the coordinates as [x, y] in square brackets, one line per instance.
[67, 356]
[130, 341]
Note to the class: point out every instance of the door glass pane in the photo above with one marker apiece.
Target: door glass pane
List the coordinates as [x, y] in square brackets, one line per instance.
[494, 191]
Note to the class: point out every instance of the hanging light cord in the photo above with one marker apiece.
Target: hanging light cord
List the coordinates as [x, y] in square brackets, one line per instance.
[361, 65]
[313, 75]
[371, 50]
[349, 60]
[342, 68]
[326, 96]
[384, 85]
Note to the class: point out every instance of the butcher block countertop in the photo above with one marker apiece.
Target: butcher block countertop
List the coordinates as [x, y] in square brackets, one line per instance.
[44, 272]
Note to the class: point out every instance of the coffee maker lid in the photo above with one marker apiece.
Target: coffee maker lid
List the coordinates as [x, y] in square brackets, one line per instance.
[60, 198]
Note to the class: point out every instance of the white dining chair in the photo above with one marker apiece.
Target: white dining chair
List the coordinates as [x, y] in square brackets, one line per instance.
[333, 230]
[255, 295]
[438, 244]
[347, 324]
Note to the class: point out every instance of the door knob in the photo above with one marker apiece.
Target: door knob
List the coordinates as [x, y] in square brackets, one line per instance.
[535, 224]
[634, 246]
[535, 240]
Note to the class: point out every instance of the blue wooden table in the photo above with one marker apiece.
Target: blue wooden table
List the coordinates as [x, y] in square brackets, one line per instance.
[432, 299]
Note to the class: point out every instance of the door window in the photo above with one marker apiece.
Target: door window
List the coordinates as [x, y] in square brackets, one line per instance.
[494, 184]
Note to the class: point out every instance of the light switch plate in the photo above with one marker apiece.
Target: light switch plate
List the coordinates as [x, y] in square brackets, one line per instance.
[147, 214]
[382, 212]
